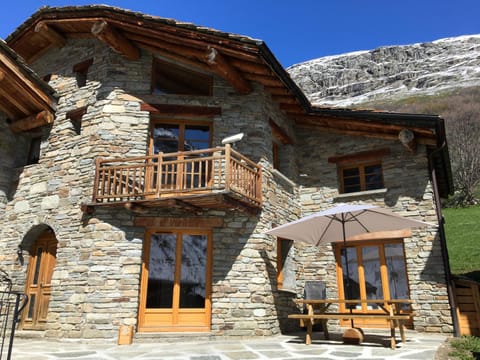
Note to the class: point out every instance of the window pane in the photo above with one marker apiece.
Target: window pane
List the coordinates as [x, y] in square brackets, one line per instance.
[373, 279]
[351, 180]
[196, 137]
[38, 259]
[350, 276]
[165, 138]
[161, 270]
[373, 177]
[193, 273]
[397, 273]
[351, 172]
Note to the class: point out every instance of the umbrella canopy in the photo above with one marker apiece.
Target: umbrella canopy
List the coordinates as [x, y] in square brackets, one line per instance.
[343, 221]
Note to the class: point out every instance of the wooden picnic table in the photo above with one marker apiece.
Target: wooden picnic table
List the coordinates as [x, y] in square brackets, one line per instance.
[320, 310]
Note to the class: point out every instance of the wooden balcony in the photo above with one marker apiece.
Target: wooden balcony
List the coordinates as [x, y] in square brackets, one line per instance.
[218, 178]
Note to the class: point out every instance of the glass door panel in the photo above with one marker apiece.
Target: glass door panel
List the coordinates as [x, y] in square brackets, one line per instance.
[397, 272]
[161, 270]
[372, 284]
[193, 273]
[350, 273]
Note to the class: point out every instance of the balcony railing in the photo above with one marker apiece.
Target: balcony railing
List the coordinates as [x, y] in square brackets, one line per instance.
[178, 175]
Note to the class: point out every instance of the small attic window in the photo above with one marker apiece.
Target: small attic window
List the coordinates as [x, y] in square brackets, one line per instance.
[168, 78]
[34, 150]
[81, 71]
[75, 117]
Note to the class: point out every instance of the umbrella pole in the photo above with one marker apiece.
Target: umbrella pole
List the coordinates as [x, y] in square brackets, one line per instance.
[349, 292]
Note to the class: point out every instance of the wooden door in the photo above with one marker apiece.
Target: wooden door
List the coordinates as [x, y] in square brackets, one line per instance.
[38, 284]
[176, 281]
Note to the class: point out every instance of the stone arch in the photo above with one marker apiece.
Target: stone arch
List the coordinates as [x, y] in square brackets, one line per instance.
[32, 234]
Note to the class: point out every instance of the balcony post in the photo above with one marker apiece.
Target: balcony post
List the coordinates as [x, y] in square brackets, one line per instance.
[96, 181]
[228, 166]
[159, 174]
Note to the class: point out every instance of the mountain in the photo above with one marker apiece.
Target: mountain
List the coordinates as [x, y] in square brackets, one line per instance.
[392, 72]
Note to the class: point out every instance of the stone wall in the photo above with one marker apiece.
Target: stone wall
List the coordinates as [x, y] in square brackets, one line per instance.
[408, 191]
[97, 274]
[96, 280]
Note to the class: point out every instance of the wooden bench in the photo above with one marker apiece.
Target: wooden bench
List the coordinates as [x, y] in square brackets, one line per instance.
[395, 320]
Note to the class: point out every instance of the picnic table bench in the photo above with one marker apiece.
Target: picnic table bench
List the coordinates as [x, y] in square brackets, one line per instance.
[318, 310]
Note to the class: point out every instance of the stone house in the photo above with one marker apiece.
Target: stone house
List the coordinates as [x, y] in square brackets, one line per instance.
[127, 200]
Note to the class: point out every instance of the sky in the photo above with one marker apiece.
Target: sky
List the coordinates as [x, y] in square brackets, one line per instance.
[298, 30]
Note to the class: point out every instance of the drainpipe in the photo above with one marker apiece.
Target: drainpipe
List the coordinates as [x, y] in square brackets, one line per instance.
[443, 242]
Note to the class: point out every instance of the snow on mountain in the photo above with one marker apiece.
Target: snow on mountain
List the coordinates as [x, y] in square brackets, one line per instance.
[390, 71]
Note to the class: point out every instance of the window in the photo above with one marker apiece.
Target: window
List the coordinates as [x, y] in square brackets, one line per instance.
[361, 171]
[34, 151]
[369, 270]
[279, 139]
[361, 177]
[169, 78]
[176, 136]
[81, 71]
[75, 117]
[285, 265]
[182, 171]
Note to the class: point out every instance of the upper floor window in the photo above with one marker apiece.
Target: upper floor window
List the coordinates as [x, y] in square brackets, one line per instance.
[169, 137]
[361, 177]
[34, 151]
[361, 171]
[279, 139]
[75, 117]
[81, 71]
[169, 78]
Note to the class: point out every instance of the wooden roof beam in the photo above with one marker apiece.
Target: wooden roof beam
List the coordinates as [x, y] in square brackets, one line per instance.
[33, 121]
[120, 44]
[222, 67]
[55, 38]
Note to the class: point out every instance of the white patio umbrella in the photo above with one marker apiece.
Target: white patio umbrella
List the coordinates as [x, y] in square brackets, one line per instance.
[342, 222]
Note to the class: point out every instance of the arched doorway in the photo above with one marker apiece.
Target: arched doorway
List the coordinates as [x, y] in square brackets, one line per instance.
[38, 283]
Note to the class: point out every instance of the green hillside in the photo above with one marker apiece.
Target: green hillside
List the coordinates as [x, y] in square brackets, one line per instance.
[462, 227]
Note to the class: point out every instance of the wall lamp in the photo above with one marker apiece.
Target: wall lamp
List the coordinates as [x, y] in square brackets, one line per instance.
[20, 255]
[232, 139]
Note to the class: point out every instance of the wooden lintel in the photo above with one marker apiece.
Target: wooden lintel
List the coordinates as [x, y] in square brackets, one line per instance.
[221, 67]
[55, 38]
[120, 44]
[174, 222]
[33, 121]
[181, 110]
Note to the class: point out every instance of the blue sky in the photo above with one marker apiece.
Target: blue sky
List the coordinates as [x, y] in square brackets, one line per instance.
[298, 30]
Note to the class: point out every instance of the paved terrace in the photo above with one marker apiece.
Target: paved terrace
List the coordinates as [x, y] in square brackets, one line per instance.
[419, 346]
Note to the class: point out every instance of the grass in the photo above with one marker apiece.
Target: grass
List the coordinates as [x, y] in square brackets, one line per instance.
[462, 228]
[464, 347]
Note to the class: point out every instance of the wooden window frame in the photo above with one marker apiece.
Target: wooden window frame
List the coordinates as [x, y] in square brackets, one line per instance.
[360, 161]
[182, 123]
[362, 176]
[358, 245]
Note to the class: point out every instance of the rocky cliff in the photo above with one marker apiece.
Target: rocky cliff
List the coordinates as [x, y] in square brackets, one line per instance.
[392, 71]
